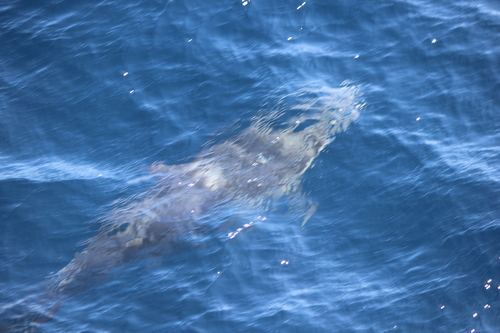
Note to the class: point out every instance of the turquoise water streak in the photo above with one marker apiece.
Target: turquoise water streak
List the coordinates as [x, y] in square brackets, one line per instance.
[406, 232]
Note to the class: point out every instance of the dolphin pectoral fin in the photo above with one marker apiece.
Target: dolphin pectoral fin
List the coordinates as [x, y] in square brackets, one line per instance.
[162, 170]
[302, 207]
[159, 168]
[310, 211]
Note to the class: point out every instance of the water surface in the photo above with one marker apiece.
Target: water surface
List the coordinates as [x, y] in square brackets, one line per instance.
[406, 234]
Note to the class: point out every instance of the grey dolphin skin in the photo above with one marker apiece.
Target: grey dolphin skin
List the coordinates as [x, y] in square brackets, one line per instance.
[254, 169]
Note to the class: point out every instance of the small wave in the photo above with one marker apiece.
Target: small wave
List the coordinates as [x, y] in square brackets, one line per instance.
[53, 169]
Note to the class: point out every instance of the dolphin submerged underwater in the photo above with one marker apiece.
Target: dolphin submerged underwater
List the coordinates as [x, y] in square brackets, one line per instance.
[255, 168]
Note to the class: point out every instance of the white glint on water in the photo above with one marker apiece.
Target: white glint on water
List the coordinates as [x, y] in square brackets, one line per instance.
[233, 234]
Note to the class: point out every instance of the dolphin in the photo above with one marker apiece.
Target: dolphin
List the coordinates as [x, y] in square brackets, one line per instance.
[254, 168]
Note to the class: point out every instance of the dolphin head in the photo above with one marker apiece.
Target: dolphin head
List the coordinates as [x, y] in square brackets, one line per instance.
[320, 114]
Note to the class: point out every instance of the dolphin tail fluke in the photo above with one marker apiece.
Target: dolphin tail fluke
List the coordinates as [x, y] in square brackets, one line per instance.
[26, 315]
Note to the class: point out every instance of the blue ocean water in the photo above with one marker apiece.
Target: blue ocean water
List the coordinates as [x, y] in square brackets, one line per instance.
[407, 230]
